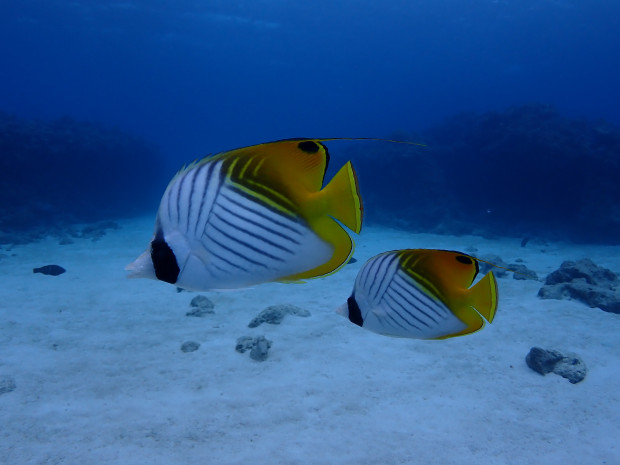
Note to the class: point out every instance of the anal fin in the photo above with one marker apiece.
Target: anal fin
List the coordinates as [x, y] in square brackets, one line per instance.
[332, 233]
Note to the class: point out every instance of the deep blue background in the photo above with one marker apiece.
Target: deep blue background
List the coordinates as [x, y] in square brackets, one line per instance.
[198, 77]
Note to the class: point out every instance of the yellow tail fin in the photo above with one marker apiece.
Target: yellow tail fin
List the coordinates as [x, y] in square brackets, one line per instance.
[484, 296]
[343, 198]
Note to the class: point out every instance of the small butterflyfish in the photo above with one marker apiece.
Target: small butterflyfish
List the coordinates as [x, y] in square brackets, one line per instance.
[253, 215]
[421, 294]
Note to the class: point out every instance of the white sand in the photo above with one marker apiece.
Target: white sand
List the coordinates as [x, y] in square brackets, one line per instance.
[101, 378]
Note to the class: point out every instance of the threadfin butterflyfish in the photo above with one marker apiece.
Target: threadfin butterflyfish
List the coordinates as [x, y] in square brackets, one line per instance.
[421, 294]
[253, 215]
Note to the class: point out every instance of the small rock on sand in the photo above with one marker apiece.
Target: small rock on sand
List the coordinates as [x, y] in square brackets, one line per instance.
[274, 314]
[190, 346]
[258, 347]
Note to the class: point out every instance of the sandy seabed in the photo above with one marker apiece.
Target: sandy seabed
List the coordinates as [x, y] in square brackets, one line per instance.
[100, 378]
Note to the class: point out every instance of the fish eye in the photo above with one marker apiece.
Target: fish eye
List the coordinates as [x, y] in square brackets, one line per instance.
[308, 146]
[464, 259]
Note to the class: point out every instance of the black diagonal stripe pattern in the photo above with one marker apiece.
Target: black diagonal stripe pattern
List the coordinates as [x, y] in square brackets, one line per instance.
[411, 306]
[243, 233]
[402, 306]
[232, 231]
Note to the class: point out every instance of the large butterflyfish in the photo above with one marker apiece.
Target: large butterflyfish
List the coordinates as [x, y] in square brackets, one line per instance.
[253, 215]
[421, 294]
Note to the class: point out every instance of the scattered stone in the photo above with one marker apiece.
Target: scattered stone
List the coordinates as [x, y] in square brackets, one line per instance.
[244, 343]
[7, 384]
[352, 260]
[261, 349]
[484, 268]
[190, 346]
[201, 306]
[585, 282]
[569, 366]
[199, 312]
[572, 368]
[200, 301]
[522, 272]
[274, 314]
[542, 361]
[258, 347]
[52, 270]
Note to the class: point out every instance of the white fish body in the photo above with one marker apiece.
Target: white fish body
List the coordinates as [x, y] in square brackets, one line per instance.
[222, 237]
[386, 300]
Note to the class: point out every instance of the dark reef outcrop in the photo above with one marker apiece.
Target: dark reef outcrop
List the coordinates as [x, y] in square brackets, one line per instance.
[64, 171]
[586, 282]
[524, 171]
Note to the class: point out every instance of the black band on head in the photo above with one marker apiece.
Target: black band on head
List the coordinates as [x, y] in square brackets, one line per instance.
[355, 314]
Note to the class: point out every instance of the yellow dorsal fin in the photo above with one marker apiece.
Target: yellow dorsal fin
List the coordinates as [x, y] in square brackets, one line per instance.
[445, 268]
[305, 159]
[302, 160]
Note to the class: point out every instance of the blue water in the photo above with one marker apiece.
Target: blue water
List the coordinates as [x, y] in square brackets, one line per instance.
[517, 108]
[192, 78]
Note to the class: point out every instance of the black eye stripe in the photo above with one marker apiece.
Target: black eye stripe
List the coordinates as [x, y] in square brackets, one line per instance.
[164, 261]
